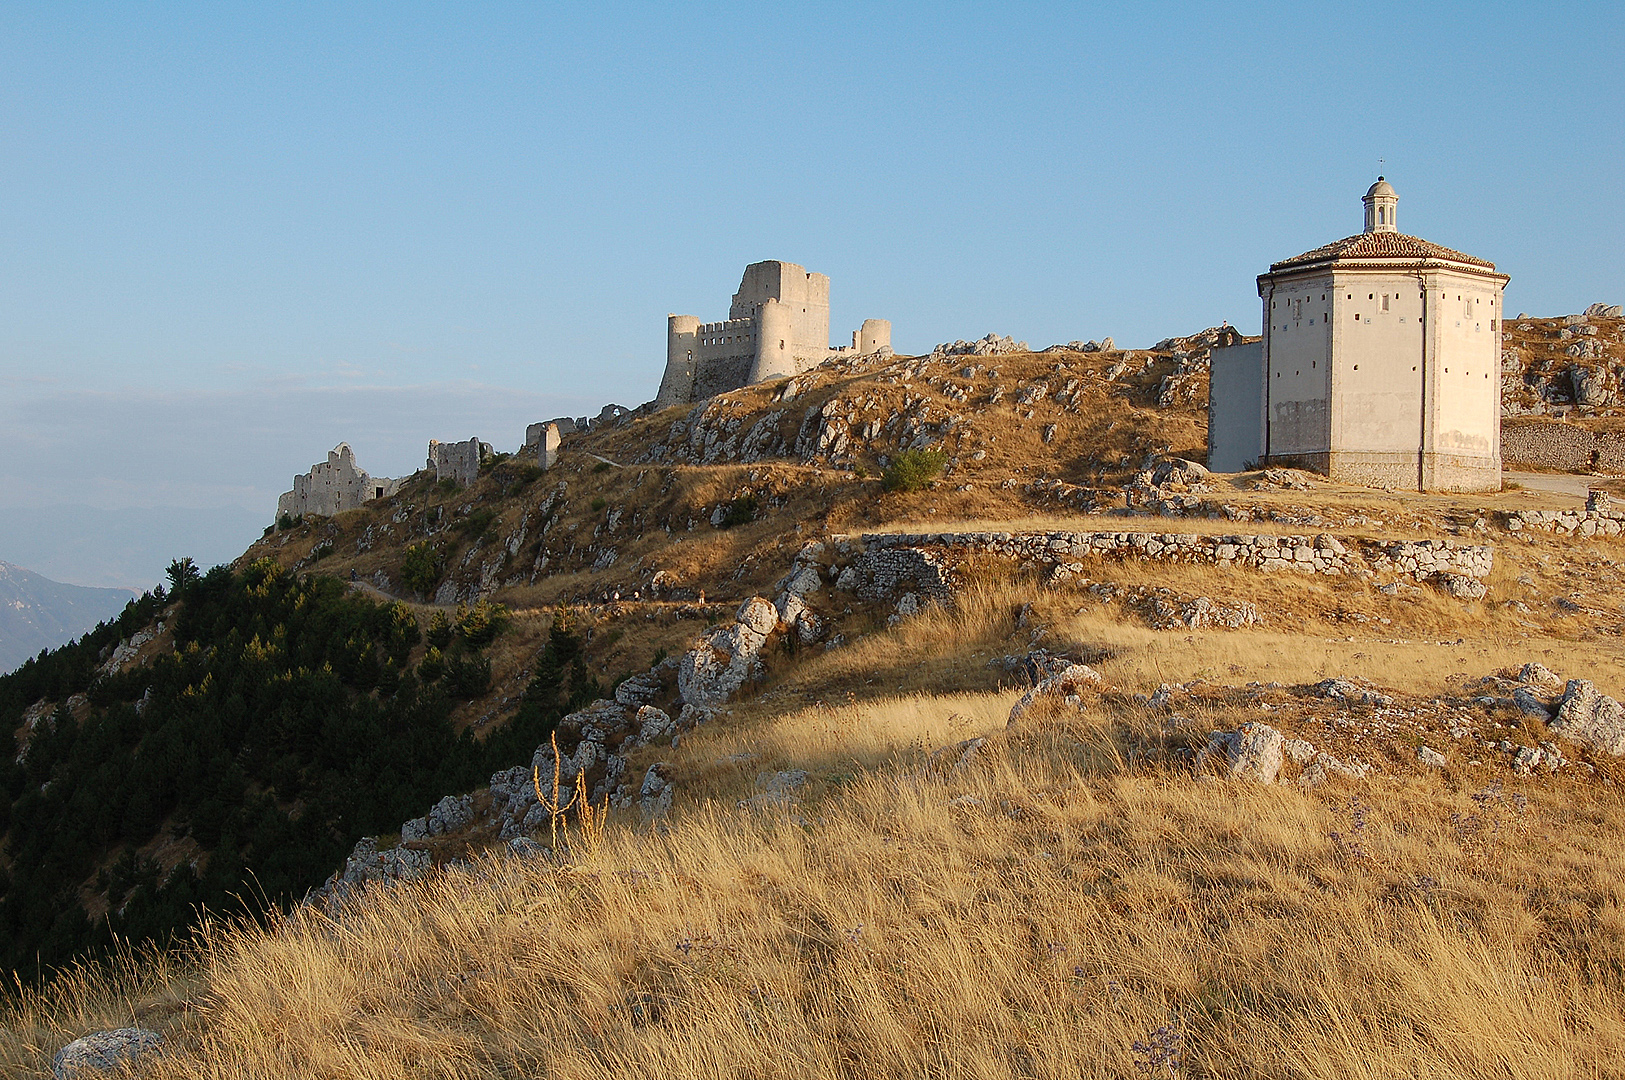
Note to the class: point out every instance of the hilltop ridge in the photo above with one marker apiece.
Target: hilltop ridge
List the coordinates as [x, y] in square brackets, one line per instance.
[934, 605]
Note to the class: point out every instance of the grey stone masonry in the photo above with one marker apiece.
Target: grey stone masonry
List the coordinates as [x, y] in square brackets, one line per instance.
[1602, 516]
[881, 564]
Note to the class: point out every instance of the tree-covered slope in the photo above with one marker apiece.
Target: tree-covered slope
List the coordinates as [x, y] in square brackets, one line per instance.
[235, 770]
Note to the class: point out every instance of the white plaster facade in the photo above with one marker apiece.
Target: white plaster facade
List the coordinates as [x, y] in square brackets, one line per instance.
[333, 486]
[1380, 363]
[777, 325]
[1235, 421]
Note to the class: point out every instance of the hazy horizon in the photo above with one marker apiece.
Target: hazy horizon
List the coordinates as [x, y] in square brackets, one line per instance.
[237, 237]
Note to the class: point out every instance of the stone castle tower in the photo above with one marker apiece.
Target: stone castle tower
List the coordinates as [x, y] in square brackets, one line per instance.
[1379, 364]
[777, 326]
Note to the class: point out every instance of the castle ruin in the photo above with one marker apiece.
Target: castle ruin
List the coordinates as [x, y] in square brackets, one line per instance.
[333, 486]
[777, 326]
[458, 462]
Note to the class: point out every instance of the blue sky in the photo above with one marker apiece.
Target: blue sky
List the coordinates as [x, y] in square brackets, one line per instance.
[234, 235]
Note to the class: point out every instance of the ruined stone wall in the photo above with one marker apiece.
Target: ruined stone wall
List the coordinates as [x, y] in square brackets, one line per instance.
[333, 486]
[882, 564]
[1546, 444]
[1601, 517]
[458, 462]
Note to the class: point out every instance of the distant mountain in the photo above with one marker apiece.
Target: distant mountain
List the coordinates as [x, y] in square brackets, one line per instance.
[38, 613]
[126, 547]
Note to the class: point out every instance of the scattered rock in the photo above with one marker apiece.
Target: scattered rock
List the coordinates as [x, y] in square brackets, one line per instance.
[1539, 675]
[1299, 751]
[1325, 766]
[1350, 694]
[1430, 757]
[1587, 715]
[1460, 586]
[1529, 704]
[1253, 752]
[654, 797]
[104, 1051]
[1069, 680]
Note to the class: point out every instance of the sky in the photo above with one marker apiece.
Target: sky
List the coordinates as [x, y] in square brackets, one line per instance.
[233, 235]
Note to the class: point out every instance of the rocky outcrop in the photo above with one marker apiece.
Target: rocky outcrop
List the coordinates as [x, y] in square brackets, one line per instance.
[726, 658]
[1253, 751]
[991, 345]
[366, 863]
[1258, 753]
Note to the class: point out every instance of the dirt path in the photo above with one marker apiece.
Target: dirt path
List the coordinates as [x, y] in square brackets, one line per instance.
[1556, 483]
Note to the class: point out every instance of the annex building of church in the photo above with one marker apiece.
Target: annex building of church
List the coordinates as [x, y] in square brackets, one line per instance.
[1379, 365]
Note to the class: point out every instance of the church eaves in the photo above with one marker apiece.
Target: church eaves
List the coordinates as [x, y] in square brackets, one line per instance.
[1378, 245]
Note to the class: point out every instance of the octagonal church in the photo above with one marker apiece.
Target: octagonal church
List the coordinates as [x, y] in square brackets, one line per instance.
[1379, 365]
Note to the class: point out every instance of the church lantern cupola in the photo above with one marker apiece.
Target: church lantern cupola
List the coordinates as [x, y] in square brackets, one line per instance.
[1380, 206]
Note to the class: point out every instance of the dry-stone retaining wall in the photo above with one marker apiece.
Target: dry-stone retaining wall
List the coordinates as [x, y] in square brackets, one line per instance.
[1602, 516]
[1562, 446]
[883, 564]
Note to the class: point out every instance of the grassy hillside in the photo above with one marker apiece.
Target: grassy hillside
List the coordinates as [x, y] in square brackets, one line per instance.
[864, 871]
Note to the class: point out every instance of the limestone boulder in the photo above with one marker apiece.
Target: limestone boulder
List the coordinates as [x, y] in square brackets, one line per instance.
[712, 672]
[104, 1052]
[1585, 714]
[1534, 674]
[1252, 752]
[450, 814]
[1069, 680]
[654, 795]
[1530, 704]
[759, 615]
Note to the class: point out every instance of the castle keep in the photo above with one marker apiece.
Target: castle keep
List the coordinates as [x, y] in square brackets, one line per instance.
[1379, 364]
[777, 325]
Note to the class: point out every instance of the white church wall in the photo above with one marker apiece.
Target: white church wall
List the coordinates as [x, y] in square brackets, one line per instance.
[1235, 428]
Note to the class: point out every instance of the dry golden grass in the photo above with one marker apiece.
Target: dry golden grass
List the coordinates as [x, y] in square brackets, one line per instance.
[1035, 914]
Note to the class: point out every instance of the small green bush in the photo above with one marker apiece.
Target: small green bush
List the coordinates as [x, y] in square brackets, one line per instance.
[285, 522]
[477, 523]
[468, 676]
[433, 665]
[911, 470]
[602, 466]
[598, 504]
[741, 511]
[440, 630]
[421, 567]
[321, 551]
[480, 624]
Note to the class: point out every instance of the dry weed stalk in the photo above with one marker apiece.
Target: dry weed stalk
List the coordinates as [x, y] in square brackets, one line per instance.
[555, 810]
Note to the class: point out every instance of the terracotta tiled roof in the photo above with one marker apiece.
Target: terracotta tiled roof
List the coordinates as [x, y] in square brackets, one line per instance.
[1379, 245]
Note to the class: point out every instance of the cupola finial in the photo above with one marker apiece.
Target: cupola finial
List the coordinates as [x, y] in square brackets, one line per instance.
[1381, 204]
